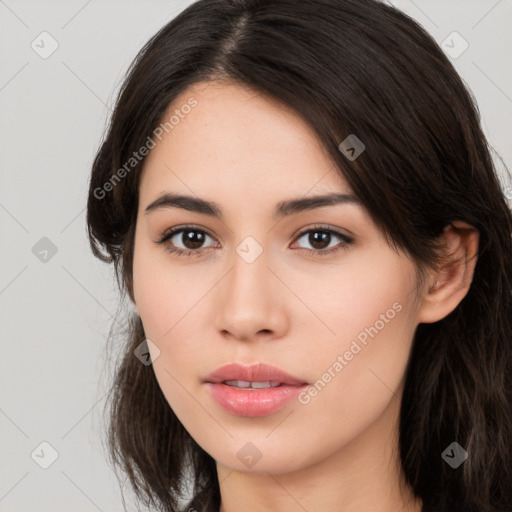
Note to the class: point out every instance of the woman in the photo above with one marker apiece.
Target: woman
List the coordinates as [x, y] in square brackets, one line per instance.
[300, 204]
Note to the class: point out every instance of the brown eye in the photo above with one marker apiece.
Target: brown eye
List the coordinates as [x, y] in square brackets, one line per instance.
[187, 240]
[319, 239]
[192, 239]
[323, 240]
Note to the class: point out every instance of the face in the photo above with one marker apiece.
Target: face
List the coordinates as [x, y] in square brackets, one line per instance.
[315, 292]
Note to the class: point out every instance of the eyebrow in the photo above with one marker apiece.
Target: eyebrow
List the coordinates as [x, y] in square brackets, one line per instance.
[282, 209]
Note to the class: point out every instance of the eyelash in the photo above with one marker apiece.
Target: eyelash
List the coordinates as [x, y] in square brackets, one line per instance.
[345, 241]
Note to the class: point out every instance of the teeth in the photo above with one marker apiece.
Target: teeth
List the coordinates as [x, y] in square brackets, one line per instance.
[238, 383]
[253, 385]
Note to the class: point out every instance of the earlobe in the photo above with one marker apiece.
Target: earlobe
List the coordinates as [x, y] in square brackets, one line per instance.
[448, 285]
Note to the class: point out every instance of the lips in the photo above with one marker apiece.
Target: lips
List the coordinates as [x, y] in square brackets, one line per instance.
[252, 391]
[257, 372]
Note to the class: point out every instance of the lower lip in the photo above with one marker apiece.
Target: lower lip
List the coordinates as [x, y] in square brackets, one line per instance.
[253, 402]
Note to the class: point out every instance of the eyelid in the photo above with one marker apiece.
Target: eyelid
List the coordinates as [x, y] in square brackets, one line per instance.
[324, 227]
[168, 233]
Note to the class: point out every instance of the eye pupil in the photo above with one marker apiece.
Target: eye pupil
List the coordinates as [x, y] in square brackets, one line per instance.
[195, 238]
[319, 237]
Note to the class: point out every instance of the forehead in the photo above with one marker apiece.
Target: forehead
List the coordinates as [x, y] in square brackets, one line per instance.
[237, 139]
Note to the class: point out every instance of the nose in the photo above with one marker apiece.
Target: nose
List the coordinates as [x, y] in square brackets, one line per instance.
[251, 301]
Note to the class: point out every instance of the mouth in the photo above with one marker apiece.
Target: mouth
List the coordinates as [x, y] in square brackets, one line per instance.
[253, 391]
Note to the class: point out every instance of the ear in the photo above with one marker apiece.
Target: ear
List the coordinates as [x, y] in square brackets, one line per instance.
[449, 284]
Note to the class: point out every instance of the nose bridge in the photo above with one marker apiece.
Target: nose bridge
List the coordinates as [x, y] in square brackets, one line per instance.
[249, 302]
[249, 279]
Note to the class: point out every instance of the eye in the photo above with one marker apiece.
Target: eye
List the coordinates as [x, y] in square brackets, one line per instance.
[321, 238]
[191, 239]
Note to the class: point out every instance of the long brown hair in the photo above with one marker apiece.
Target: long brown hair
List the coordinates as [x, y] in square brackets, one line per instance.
[347, 67]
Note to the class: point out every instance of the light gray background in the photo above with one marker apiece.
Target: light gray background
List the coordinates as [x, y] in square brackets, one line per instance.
[56, 315]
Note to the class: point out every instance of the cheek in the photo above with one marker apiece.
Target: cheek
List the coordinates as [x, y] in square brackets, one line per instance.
[169, 298]
[159, 294]
[369, 292]
[361, 363]
[362, 342]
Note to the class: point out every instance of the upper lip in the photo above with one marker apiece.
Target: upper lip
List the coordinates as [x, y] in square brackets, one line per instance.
[257, 372]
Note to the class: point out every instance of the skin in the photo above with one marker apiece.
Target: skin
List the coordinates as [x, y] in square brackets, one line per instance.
[295, 310]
